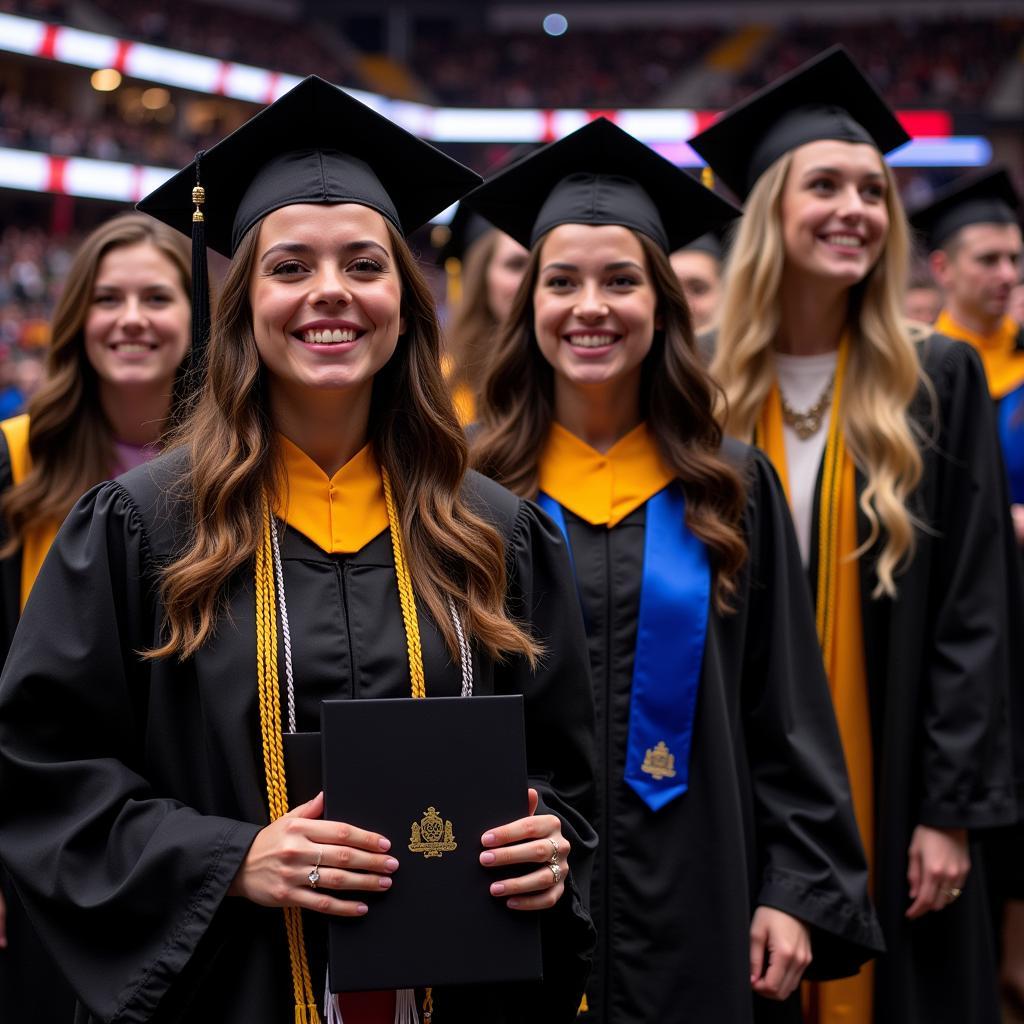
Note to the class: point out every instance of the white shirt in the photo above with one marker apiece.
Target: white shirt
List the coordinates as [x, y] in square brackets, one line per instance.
[802, 379]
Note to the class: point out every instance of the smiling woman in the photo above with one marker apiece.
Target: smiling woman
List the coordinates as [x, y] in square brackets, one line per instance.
[886, 442]
[120, 335]
[314, 533]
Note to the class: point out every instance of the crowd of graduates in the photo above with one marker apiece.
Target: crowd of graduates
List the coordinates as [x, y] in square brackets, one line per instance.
[702, 482]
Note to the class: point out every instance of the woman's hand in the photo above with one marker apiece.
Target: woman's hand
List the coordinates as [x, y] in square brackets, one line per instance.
[536, 839]
[276, 871]
[780, 951]
[939, 863]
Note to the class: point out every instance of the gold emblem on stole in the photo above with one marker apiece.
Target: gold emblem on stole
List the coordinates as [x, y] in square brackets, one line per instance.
[432, 835]
[659, 762]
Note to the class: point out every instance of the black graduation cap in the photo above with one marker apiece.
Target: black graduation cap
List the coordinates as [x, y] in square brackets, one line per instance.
[987, 198]
[600, 175]
[316, 144]
[828, 97]
[465, 229]
[713, 243]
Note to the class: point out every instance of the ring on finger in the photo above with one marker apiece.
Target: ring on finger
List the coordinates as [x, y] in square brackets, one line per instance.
[554, 852]
[556, 873]
[314, 875]
[952, 893]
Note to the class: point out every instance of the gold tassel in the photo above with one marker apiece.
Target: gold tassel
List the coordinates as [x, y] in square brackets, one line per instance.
[707, 177]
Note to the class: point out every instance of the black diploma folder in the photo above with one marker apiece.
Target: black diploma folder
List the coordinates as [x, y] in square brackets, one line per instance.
[432, 775]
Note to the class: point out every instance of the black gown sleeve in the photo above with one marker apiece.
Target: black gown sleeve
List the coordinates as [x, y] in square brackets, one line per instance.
[559, 747]
[809, 852]
[967, 779]
[121, 881]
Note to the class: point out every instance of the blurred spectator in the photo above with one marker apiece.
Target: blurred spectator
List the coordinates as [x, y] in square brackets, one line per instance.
[1016, 307]
[923, 301]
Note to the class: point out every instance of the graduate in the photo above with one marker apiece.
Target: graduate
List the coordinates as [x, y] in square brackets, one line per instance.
[729, 859]
[120, 342]
[483, 267]
[313, 535]
[888, 451]
[698, 267]
[973, 236]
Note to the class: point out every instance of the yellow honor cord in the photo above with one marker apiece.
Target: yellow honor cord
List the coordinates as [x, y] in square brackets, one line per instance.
[270, 720]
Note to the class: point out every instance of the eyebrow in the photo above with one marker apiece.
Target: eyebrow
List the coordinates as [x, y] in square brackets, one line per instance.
[839, 173]
[299, 247]
[619, 265]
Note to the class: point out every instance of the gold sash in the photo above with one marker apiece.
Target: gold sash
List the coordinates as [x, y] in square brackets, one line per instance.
[840, 633]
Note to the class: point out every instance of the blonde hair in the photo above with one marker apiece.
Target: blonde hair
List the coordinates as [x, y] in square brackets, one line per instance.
[883, 374]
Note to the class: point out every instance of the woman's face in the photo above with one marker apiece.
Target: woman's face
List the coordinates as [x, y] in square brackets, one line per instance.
[325, 296]
[595, 307]
[834, 215]
[137, 330]
[504, 275]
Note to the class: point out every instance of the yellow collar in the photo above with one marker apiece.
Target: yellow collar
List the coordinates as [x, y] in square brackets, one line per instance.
[1004, 365]
[602, 488]
[342, 513]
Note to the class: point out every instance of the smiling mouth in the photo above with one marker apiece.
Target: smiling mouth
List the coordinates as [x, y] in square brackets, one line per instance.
[134, 347]
[592, 340]
[329, 337]
[852, 242]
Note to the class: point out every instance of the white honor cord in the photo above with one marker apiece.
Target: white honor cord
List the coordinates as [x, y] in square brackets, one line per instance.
[286, 632]
[465, 651]
[405, 1006]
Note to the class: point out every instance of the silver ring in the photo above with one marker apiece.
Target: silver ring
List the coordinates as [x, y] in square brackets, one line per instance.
[554, 852]
[314, 875]
[556, 873]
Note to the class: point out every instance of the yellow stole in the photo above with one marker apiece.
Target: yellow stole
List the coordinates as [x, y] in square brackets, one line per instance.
[1004, 364]
[462, 397]
[341, 513]
[39, 538]
[840, 633]
[602, 488]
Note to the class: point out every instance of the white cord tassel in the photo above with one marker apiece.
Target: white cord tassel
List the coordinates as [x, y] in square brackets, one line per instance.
[405, 1007]
[332, 1008]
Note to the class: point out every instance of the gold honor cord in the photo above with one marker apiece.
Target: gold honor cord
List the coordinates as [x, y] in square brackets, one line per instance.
[270, 720]
[828, 514]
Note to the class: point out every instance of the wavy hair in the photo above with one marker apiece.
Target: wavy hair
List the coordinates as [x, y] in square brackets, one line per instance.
[234, 461]
[69, 438]
[883, 373]
[677, 398]
[473, 326]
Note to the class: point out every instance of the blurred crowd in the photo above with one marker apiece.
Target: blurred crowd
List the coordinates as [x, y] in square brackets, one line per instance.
[591, 69]
[953, 63]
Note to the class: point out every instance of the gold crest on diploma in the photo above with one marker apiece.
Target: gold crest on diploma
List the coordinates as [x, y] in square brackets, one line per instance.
[659, 762]
[432, 835]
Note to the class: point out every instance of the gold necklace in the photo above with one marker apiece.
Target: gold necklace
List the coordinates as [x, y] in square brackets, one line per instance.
[807, 424]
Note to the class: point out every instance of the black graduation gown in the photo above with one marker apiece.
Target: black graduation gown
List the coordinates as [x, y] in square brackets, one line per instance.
[940, 659]
[32, 990]
[131, 790]
[767, 818]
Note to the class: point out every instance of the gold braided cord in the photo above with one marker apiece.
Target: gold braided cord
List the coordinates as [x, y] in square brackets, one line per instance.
[273, 756]
[405, 594]
[828, 514]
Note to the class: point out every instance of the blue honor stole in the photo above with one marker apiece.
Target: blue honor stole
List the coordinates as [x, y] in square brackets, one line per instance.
[675, 593]
[1010, 416]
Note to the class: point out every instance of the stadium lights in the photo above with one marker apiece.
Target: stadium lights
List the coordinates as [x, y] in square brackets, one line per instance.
[128, 183]
[106, 79]
[556, 24]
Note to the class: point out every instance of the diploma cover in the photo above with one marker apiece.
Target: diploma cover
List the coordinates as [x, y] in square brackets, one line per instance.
[432, 775]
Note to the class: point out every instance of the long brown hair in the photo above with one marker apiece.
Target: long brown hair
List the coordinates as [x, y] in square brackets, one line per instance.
[234, 461]
[677, 398]
[473, 326]
[69, 439]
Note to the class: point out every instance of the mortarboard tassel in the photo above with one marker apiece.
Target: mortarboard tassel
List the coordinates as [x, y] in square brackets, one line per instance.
[190, 379]
[707, 177]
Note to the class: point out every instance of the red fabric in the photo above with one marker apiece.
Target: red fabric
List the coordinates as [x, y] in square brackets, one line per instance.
[368, 1007]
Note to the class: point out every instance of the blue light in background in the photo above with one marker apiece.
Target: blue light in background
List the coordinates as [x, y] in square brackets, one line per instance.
[556, 24]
